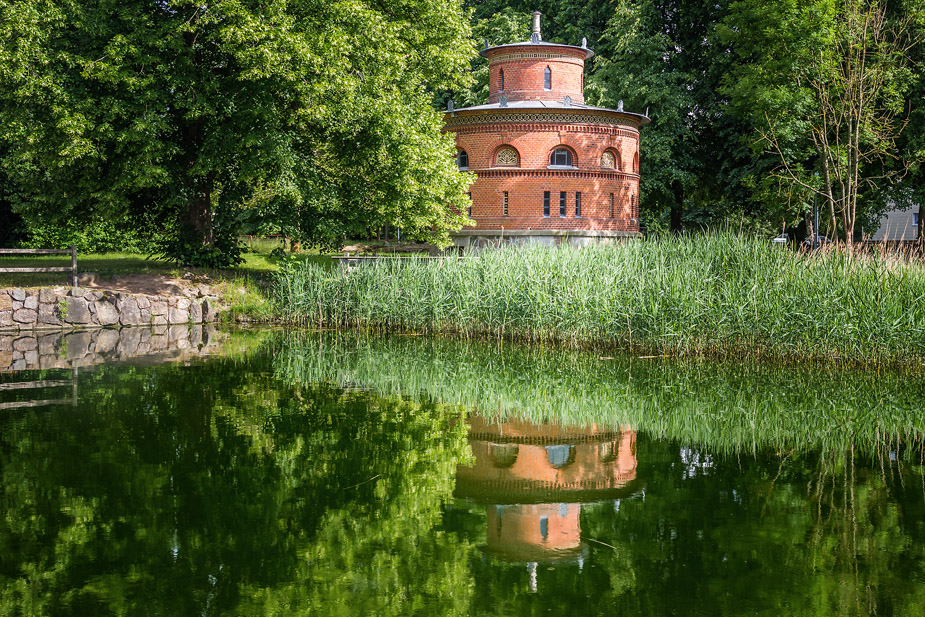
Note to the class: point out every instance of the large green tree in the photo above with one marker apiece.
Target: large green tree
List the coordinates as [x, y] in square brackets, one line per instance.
[307, 117]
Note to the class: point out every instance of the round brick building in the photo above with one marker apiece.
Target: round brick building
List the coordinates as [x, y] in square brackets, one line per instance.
[549, 168]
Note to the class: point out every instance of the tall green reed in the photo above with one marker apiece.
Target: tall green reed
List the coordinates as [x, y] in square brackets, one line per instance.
[716, 294]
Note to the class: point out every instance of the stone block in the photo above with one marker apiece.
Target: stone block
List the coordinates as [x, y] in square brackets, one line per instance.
[31, 302]
[25, 343]
[159, 320]
[6, 302]
[143, 302]
[158, 308]
[47, 295]
[6, 318]
[145, 316]
[18, 294]
[209, 310]
[106, 313]
[78, 311]
[183, 304]
[48, 314]
[6, 359]
[18, 365]
[130, 315]
[195, 312]
[31, 357]
[25, 316]
[176, 316]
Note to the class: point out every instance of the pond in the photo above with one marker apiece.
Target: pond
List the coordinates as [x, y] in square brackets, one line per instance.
[159, 472]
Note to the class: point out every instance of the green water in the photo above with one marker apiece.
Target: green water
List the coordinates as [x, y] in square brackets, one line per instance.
[322, 474]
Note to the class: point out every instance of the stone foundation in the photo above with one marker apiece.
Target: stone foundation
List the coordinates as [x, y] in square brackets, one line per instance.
[50, 308]
[484, 238]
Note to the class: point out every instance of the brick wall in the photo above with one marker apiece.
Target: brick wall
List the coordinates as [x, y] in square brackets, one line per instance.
[526, 184]
[524, 76]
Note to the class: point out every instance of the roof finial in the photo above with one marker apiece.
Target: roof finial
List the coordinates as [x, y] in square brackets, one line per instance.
[536, 37]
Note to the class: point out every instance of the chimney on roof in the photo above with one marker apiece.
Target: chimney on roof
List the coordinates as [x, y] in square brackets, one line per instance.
[536, 37]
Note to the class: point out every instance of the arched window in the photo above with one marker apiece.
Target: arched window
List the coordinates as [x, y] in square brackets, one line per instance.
[507, 157]
[502, 80]
[462, 159]
[547, 78]
[636, 163]
[608, 160]
[561, 157]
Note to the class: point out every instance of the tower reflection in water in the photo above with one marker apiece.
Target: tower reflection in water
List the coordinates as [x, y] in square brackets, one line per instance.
[533, 479]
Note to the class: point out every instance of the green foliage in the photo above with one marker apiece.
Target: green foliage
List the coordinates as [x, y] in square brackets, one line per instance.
[95, 236]
[718, 294]
[310, 118]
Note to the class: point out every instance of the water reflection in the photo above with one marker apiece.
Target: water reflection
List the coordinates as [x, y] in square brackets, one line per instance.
[534, 478]
[81, 348]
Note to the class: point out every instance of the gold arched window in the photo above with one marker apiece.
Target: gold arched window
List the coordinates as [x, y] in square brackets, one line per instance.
[507, 157]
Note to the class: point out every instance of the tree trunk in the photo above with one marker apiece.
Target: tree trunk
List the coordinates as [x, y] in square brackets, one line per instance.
[199, 221]
[677, 208]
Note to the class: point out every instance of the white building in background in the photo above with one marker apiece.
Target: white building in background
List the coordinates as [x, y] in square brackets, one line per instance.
[898, 226]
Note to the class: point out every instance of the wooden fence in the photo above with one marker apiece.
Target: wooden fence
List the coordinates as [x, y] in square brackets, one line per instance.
[71, 251]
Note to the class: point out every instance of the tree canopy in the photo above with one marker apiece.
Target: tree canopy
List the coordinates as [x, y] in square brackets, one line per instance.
[306, 117]
[191, 121]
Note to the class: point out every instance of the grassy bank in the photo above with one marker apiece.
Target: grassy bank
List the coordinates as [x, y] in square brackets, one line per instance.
[719, 295]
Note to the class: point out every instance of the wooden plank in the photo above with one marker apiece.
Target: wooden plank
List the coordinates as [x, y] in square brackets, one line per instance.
[56, 269]
[35, 251]
[27, 404]
[26, 385]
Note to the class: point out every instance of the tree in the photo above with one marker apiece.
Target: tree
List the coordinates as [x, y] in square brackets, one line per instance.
[311, 117]
[826, 85]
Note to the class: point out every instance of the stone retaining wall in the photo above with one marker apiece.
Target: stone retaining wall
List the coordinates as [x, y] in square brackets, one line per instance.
[63, 307]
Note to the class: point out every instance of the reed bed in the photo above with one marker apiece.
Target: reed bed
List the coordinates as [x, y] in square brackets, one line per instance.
[718, 294]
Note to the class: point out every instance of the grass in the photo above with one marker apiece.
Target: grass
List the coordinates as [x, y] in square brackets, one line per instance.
[717, 295]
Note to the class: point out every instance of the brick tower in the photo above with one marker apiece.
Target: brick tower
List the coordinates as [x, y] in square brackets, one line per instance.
[549, 168]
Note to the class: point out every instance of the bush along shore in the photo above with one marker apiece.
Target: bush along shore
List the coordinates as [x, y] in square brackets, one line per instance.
[714, 295]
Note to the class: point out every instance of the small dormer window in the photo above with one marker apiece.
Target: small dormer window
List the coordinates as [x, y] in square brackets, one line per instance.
[462, 159]
[547, 78]
[502, 80]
